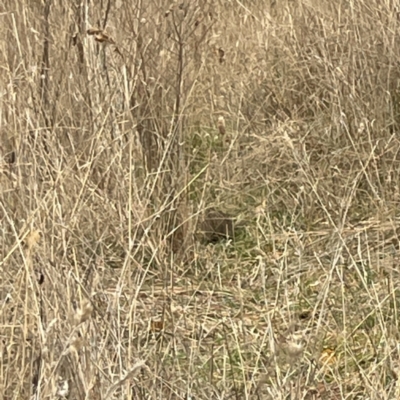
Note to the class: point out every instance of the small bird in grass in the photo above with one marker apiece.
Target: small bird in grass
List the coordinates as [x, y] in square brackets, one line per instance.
[217, 225]
[100, 36]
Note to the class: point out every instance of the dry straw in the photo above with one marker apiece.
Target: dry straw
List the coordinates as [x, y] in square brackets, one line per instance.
[132, 373]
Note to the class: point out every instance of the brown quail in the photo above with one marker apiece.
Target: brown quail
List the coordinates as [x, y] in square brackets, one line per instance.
[217, 225]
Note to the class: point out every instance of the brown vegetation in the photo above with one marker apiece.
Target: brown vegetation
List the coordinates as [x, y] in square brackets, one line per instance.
[128, 129]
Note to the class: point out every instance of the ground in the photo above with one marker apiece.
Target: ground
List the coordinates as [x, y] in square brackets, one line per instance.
[123, 125]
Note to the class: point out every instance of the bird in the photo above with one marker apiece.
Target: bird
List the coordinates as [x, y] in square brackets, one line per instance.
[100, 36]
[217, 225]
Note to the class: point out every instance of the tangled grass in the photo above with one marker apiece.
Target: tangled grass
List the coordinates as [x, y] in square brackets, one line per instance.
[124, 124]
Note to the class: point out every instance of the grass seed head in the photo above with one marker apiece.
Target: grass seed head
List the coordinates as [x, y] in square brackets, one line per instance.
[221, 125]
[83, 313]
[32, 239]
[76, 344]
[294, 349]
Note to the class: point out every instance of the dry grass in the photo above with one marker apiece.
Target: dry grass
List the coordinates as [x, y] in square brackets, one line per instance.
[124, 124]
